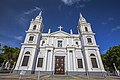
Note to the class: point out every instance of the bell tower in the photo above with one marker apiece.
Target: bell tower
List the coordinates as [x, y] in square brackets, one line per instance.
[35, 30]
[86, 33]
[90, 50]
[27, 57]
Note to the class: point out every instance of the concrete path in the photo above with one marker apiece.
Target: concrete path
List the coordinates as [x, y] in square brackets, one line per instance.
[49, 77]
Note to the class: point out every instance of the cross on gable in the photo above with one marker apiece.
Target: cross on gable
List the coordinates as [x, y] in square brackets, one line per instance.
[60, 28]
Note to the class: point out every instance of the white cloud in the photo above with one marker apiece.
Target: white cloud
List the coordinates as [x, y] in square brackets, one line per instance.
[103, 52]
[104, 23]
[80, 6]
[20, 38]
[110, 19]
[78, 3]
[107, 21]
[116, 28]
[70, 2]
[23, 21]
[33, 10]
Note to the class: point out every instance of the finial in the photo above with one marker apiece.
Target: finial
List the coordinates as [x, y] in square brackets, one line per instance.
[60, 28]
[81, 15]
[40, 13]
[49, 31]
[71, 32]
[32, 19]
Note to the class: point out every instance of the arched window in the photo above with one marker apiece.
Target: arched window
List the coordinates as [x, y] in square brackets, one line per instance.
[43, 42]
[92, 55]
[93, 61]
[26, 58]
[27, 52]
[86, 29]
[34, 27]
[76, 43]
[25, 61]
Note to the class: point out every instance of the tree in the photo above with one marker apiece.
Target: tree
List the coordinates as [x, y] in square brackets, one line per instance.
[1, 59]
[9, 54]
[112, 56]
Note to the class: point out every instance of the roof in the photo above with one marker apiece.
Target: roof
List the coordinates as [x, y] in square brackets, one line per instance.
[60, 34]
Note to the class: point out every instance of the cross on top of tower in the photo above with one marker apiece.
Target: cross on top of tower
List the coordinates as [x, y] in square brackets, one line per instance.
[60, 28]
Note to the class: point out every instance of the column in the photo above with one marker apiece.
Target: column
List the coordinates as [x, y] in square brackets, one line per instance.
[74, 60]
[67, 41]
[31, 61]
[87, 60]
[100, 60]
[52, 68]
[50, 61]
[48, 40]
[45, 61]
[71, 61]
[68, 61]
[72, 42]
[52, 40]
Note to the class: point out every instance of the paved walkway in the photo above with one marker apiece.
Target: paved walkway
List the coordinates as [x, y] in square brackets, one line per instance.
[49, 77]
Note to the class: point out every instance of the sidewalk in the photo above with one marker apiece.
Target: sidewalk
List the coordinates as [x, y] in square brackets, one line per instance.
[7, 76]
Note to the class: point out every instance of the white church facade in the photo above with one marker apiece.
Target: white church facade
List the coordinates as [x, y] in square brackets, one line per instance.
[60, 52]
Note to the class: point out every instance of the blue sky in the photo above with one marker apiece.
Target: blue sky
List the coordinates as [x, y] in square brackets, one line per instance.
[104, 16]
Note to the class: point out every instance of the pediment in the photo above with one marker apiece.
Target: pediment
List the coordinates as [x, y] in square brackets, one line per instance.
[60, 33]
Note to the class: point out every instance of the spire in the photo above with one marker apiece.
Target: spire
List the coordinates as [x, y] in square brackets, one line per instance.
[39, 17]
[81, 15]
[40, 14]
[82, 18]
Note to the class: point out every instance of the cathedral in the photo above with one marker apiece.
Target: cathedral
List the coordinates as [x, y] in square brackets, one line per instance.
[60, 52]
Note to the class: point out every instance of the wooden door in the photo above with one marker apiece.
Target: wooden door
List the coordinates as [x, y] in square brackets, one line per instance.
[59, 65]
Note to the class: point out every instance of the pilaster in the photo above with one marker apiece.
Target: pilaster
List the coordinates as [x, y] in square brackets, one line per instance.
[74, 60]
[19, 59]
[100, 60]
